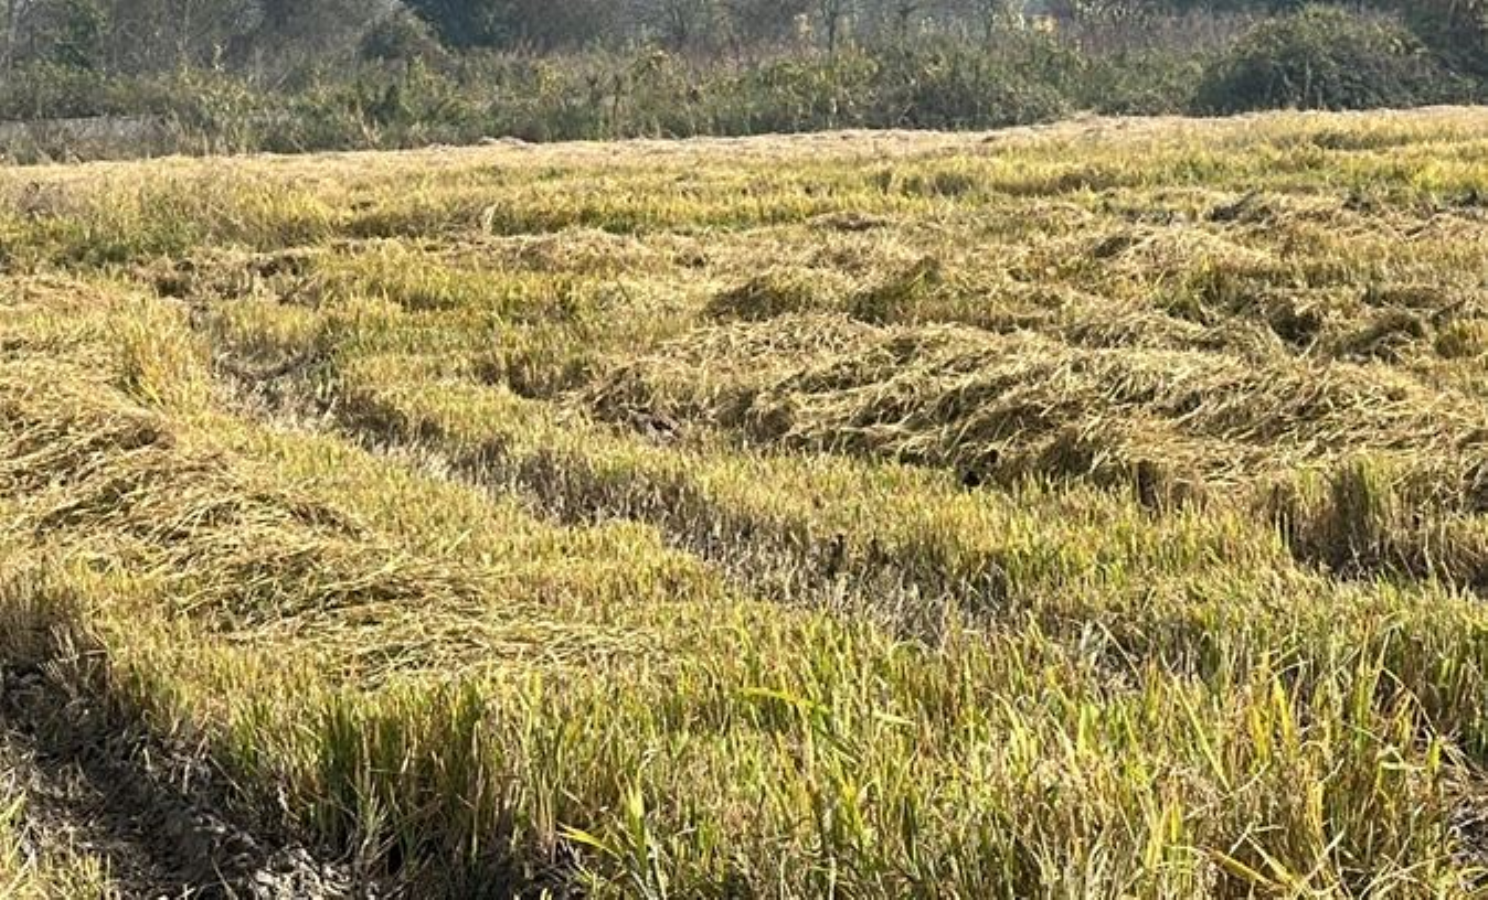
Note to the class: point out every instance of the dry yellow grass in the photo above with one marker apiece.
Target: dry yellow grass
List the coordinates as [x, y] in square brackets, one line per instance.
[1099, 509]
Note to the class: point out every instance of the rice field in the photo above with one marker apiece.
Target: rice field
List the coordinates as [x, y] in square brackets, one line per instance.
[1094, 510]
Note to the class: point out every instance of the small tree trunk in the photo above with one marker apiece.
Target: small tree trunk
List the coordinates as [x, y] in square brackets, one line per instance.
[11, 11]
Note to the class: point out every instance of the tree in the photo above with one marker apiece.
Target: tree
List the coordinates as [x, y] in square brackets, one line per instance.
[764, 22]
[465, 23]
[541, 24]
[284, 36]
[153, 35]
[833, 15]
[988, 16]
[686, 23]
[66, 33]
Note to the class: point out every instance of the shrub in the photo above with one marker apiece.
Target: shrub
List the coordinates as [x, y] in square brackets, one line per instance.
[800, 94]
[1141, 83]
[1326, 58]
[956, 85]
[400, 36]
[47, 91]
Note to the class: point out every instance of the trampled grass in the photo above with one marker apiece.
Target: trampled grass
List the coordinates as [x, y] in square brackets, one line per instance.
[1099, 510]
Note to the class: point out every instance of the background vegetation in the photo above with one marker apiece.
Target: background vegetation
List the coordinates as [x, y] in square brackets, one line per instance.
[331, 74]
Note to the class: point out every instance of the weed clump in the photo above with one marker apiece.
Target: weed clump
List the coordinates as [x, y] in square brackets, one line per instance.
[1463, 339]
[1374, 515]
[767, 296]
[897, 297]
